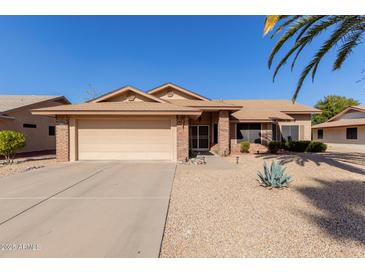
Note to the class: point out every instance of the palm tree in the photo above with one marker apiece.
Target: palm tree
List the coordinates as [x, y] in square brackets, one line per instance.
[347, 33]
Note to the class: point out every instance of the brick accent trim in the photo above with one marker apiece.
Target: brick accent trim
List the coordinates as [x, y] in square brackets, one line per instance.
[182, 135]
[223, 133]
[62, 139]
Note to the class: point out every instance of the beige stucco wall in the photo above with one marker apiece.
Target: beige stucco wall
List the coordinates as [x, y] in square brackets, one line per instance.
[304, 123]
[337, 135]
[37, 139]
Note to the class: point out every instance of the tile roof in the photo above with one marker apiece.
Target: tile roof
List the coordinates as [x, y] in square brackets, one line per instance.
[145, 107]
[10, 102]
[252, 114]
[281, 105]
[203, 104]
[342, 123]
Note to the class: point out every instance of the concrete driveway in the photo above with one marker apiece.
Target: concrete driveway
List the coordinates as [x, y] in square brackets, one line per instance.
[86, 209]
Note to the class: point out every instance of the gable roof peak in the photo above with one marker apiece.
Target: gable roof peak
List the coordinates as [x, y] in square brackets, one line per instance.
[122, 90]
[179, 88]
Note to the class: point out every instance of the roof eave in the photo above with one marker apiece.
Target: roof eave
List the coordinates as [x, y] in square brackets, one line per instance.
[40, 102]
[333, 126]
[301, 112]
[117, 112]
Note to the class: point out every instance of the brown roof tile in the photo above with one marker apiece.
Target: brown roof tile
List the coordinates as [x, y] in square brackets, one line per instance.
[280, 105]
[10, 102]
[117, 107]
[251, 114]
[342, 123]
[203, 104]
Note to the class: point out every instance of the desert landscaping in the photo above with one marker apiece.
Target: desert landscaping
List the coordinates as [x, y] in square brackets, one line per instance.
[25, 165]
[220, 210]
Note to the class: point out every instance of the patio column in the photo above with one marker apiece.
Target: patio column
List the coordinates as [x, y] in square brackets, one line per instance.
[223, 132]
[62, 139]
[182, 134]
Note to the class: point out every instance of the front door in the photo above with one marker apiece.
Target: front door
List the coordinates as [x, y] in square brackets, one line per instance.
[199, 137]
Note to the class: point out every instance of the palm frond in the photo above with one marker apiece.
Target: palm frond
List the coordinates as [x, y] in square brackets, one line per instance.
[301, 43]
[346, 49]
[335, 37]
[285, 24]
[304, 29]
[290, 32]
[270, 22]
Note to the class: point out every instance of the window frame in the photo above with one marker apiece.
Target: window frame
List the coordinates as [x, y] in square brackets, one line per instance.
[52, 131]
[238, 140]
[215, 133]
[320, 136]
[27, 125]
[290, 126]
[353, 135]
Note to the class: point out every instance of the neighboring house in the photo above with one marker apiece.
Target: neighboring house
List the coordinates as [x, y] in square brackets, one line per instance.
[39, 130]
[345, 130]
[165, 122]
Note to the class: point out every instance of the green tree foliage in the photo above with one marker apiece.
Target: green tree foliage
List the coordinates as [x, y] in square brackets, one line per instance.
[346, 34]
[330, 106]
[10, 143]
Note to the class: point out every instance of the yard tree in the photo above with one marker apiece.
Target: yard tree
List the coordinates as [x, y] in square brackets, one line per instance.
[330, 106]
[346, 34]
[10, 143]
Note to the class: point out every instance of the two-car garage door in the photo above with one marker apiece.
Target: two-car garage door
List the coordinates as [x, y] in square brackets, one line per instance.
[125, 139]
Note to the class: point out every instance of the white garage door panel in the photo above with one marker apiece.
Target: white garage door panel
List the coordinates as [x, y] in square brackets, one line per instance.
[125, 139]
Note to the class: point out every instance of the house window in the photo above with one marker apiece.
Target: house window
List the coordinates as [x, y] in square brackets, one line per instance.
[351, 133]
[249, 132]
[320, 134]
[290, 133]
[215, 134]
[51, 131]
[29, 125]
[274, 132]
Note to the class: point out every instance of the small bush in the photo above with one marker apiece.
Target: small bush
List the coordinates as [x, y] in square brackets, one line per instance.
[316, 147]
[298, 146]
[10, 143]
[274, 146]
[245, 146]
[274, 177]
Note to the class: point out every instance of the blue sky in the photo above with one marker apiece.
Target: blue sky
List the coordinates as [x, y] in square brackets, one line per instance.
[221, 57]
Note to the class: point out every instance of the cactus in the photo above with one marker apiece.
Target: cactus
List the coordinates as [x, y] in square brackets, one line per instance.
[274, 177]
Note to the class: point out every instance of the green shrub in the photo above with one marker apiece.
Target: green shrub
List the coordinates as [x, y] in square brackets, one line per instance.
[274, 146]
[297, 146]
[274, 177]
[10, 143]
[316, 147]
[245, 146]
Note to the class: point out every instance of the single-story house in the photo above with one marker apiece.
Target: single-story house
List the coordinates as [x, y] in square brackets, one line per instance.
[39, 130]
[168, 121]
[345, 130]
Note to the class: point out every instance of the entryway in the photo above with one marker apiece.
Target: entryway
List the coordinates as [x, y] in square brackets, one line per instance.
[199, 137]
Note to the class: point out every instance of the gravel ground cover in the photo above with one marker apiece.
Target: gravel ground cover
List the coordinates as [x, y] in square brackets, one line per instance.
[221, 211]
[22, 165]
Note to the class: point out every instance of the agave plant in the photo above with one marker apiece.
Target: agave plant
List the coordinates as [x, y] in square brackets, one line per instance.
[274, 177]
